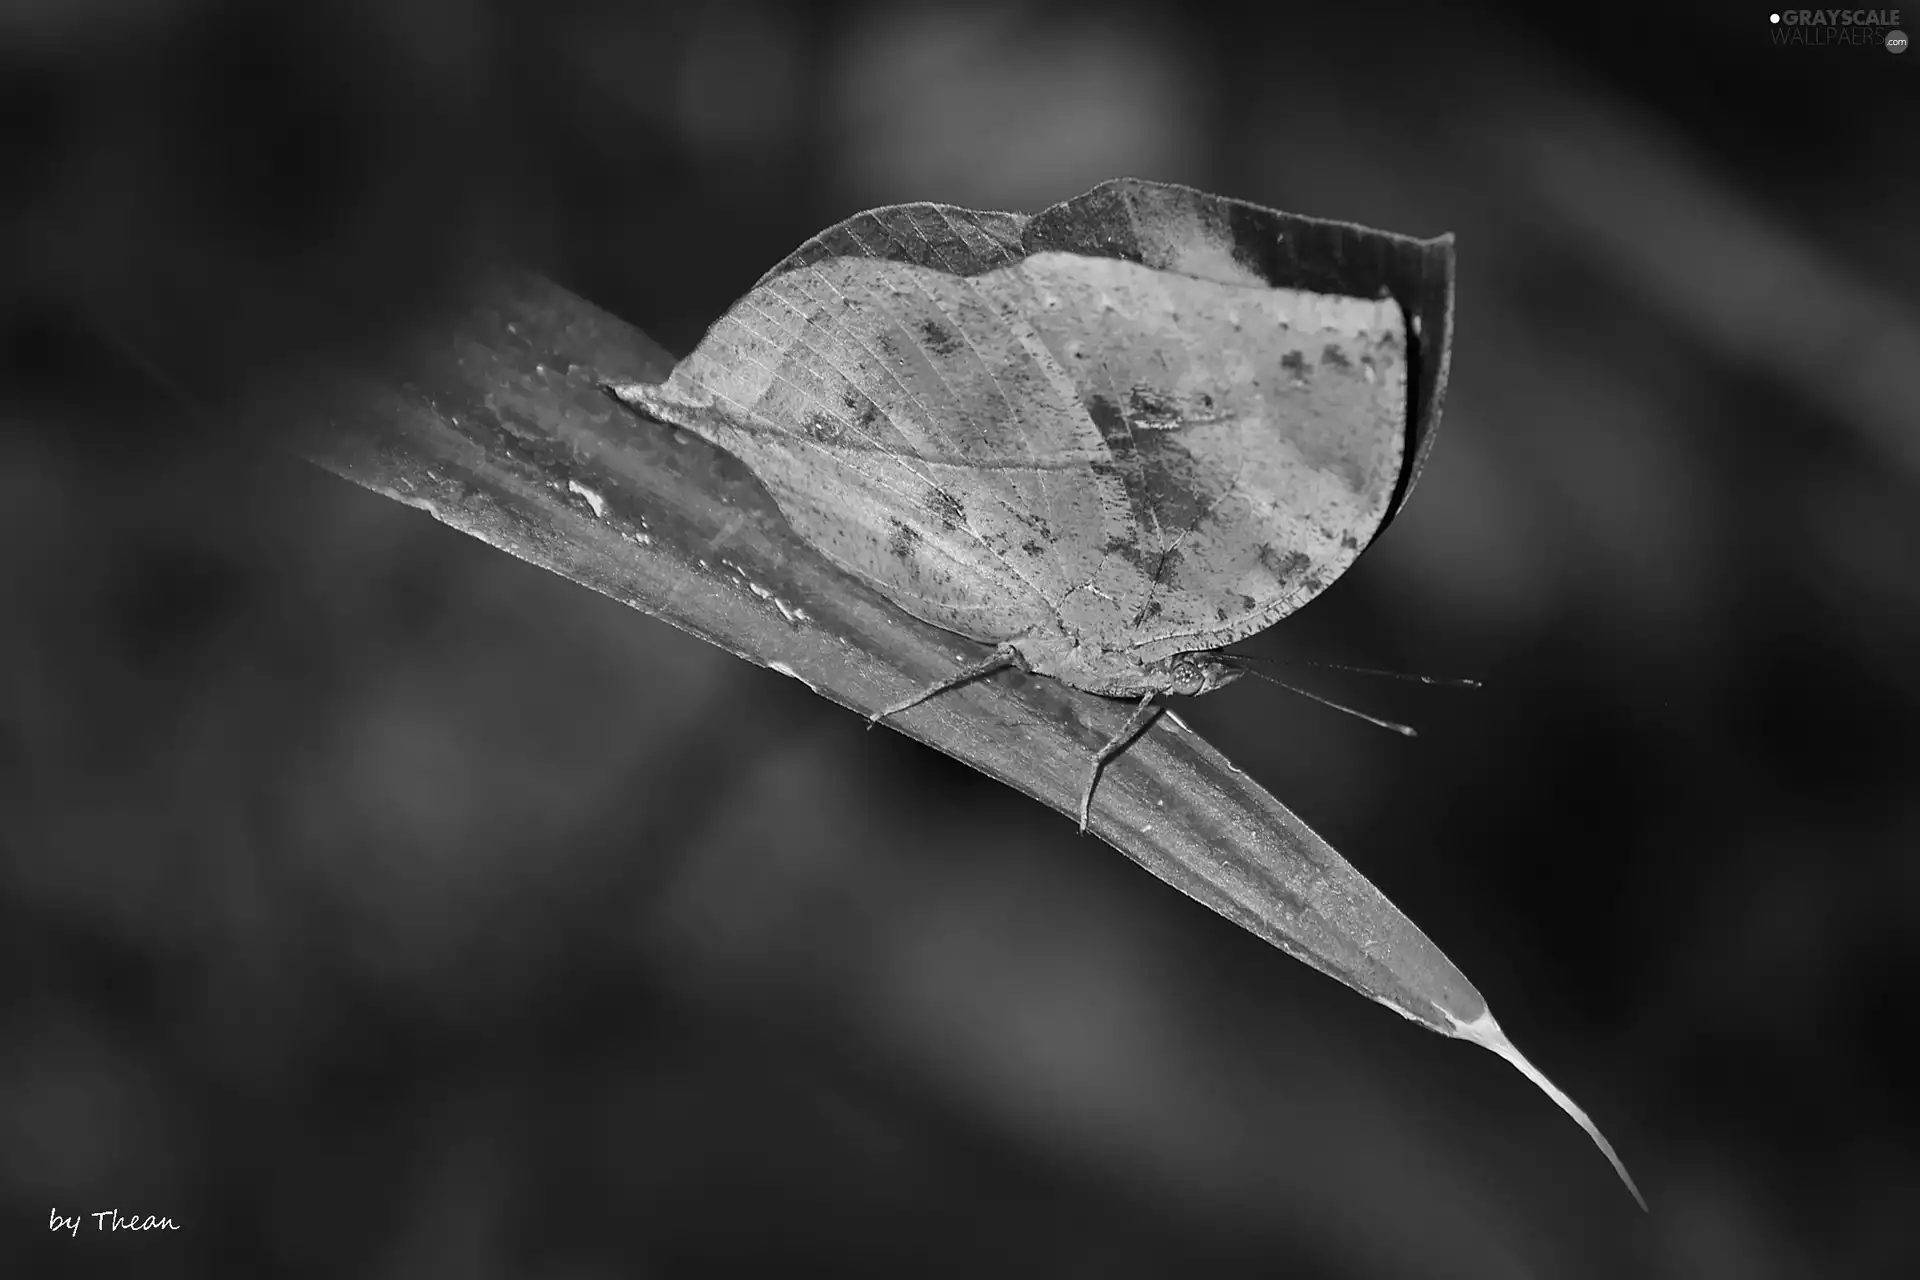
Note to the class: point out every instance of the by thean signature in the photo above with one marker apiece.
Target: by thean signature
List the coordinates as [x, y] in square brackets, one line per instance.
[110, 1220]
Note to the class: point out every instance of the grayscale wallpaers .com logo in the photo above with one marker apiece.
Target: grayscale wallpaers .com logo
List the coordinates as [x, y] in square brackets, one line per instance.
[1840, 26]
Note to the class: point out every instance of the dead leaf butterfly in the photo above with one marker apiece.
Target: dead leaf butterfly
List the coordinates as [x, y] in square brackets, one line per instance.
[1109, 439]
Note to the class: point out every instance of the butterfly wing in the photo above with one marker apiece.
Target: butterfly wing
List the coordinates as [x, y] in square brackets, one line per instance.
[885, 387]
[1149, 418]
[1264, 389]
[1258, 434]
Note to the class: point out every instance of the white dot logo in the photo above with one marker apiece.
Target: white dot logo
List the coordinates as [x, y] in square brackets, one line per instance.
[1774, 18]
[1896, 42]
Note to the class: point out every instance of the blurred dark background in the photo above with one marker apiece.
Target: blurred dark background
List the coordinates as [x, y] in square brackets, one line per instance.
[373, 904]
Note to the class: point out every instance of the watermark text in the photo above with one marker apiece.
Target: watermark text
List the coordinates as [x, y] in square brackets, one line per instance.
[109, 1220]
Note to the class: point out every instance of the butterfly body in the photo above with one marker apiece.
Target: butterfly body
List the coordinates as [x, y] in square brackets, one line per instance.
[1109, 439]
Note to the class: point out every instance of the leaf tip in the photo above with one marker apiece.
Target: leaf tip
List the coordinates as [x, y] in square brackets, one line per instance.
[1484, 1031]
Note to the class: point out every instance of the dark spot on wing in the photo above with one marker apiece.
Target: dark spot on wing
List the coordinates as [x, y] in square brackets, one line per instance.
[1333, 355]
[1168, 488]
[1037, 523]
[1106, 416]
[863, 413]
[824, 427]
[1150, 408]
[945, 506]
[1152, 610]
[1284, 566]
[902, 541]
[1128, 549]
[1033, 548]
[1349, 542]
[1248, 603]
[940, 340]
[1219, 615]
[1294, 363]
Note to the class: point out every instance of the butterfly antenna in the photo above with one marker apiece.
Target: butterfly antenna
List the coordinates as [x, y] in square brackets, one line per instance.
[1451, 682]
[1404, 730]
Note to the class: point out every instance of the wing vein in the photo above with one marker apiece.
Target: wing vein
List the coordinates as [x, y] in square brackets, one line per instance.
[871, 474]
[1014, 418]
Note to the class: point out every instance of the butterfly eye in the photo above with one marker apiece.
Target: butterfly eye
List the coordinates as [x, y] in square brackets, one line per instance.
[1184, 676]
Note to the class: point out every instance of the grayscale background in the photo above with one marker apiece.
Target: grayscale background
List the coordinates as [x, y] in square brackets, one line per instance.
[375, 905]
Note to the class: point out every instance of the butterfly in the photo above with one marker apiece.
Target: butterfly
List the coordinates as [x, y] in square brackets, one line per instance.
[1109, 439]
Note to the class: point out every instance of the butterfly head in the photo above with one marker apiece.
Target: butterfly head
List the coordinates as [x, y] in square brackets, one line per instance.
[1190, 674]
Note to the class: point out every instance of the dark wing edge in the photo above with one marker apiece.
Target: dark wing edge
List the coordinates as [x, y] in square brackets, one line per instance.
[1136, 220]
[1427, 282]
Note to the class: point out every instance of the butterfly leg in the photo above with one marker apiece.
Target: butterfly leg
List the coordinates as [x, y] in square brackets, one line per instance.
[1004, 656]
[1143, 715]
